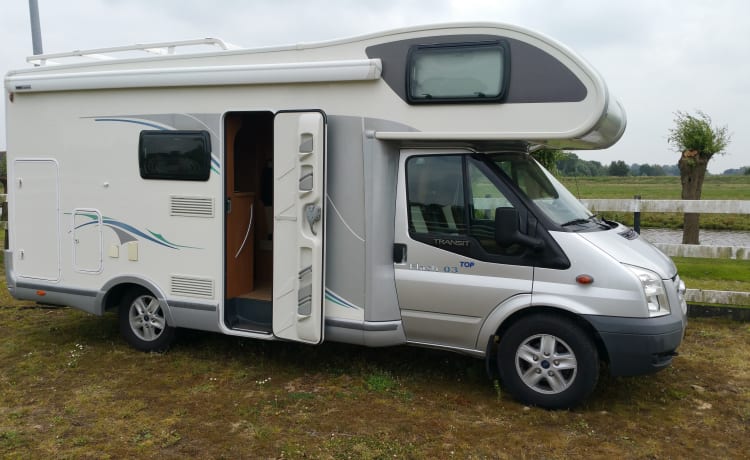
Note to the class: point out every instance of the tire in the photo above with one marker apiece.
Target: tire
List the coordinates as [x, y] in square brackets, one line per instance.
[143, 323]
[548, 361]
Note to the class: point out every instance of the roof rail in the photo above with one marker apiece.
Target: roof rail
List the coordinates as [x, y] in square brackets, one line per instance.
[160, 48]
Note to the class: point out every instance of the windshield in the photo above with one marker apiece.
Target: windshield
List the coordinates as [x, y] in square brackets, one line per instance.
[542, 188]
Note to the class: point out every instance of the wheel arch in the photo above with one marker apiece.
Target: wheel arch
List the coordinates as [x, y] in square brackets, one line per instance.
[111, 294]
[512, 318]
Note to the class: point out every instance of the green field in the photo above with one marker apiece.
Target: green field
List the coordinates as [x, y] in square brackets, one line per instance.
[657, 188]
[714, 274]
[665, 188]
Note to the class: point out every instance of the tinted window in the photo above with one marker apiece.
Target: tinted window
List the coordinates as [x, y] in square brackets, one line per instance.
[485, 199]
[436, 196]
[458, 73]
[441, 204]
[175, 155]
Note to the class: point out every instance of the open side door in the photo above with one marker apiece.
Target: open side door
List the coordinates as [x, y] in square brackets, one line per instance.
[299, 225]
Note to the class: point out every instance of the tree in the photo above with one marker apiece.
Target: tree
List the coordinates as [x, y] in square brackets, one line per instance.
[548, 158]
[735, 171]
[697, 141]
[619, 168]
[570, 165]
[671, 170]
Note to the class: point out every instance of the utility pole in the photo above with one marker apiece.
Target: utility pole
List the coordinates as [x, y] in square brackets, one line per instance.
[36, 30]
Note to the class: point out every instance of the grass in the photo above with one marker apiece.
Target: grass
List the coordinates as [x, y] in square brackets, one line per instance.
[715, 274]
[666, 188]
[70, 388]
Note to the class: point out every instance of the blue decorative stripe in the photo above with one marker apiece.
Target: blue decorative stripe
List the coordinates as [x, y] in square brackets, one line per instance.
[128, 228]
[215, 165]
[337, 299]
[161, 238]
[154, 237]
[137, 122]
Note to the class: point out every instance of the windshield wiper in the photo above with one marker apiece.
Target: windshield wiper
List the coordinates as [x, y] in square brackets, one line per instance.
[580, 220]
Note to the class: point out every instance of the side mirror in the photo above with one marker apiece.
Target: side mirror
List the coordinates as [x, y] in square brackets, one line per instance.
[507, 232]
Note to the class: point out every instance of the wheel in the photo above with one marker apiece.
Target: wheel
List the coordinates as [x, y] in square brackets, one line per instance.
[548, 361]
[142, 322]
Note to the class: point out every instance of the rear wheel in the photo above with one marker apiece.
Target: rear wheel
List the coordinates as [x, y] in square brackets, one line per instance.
[143, 323]
[548, 361]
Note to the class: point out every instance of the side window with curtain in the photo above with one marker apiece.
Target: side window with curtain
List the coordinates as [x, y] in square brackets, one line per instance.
[436, 195]
[458, 72]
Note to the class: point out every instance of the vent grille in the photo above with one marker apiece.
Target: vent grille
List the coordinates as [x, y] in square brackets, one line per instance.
[192, 287]
[191, 206]
[629, 234]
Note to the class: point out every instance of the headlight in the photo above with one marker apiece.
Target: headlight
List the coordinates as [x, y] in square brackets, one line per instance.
[653, 288]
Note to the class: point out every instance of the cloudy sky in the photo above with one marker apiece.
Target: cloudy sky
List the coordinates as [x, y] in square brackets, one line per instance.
[656, 56]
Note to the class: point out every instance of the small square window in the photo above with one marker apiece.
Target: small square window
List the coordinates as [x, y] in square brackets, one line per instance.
[474, 72]
[175, 155]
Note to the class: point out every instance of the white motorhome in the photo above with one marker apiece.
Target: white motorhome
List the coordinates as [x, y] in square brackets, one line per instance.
[376, 191]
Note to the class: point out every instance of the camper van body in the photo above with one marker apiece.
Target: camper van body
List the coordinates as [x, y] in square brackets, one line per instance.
[291, 193]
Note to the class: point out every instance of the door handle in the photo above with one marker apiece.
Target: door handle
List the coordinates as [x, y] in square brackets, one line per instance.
[312, 214]
[399, 253]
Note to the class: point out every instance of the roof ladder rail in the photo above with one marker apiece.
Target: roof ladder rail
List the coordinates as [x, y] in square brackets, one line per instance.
[159, 48]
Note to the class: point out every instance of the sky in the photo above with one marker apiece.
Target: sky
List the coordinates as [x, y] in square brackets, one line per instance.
[657, 56]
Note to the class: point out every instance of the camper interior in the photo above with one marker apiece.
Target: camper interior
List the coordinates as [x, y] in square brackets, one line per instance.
[248, 257]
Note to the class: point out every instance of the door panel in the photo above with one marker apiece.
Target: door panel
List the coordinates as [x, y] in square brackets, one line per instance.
[87, 240]
[299, 226]
[445, 294]
[35, 219]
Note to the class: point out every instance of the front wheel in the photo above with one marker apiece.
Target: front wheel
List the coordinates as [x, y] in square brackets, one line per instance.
[548, 361]
[143, 323]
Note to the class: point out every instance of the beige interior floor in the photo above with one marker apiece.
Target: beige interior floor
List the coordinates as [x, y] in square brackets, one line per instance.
[262, 291]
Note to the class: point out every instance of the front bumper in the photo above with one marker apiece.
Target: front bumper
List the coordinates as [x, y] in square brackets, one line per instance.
[638, 346]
